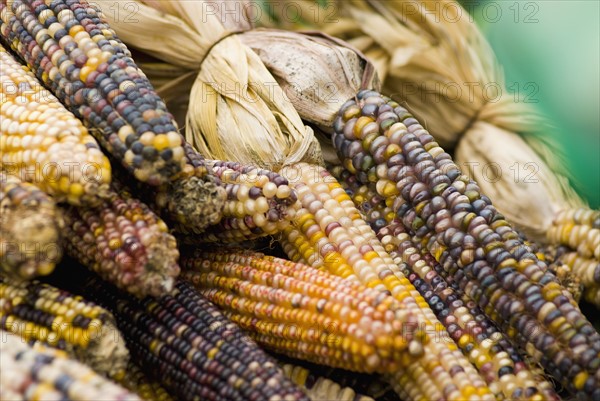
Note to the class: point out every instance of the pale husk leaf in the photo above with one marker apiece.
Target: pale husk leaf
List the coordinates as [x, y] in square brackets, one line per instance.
[236, 109]
[519, 183]
[319, 73]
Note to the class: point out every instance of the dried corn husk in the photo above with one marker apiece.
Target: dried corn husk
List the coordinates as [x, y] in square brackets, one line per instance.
[232, 93]
[318, 72]
[435, 61]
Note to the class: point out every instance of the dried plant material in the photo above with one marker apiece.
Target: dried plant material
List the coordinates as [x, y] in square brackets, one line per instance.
[518, 181]
[233, 93]
[319, 73]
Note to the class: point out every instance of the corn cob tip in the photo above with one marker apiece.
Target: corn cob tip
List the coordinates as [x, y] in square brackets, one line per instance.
[160, 269]
[29, 231]
[195, 202]
[106, 352]
[125, 243]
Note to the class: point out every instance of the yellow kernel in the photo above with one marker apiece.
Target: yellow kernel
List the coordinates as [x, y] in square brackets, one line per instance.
[76, 29]
[85, 72]
[579, 380]
[369, 256]
[161, 142]
[76, 190]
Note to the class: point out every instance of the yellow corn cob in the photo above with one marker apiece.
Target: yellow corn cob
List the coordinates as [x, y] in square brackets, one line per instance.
[40, 312]
[305, 313]
[43, 143]
[31, 373]
[328, 233]
[30, 228]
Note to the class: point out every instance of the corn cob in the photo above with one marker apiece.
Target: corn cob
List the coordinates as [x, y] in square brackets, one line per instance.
[78, 56]
[42, 373]
[73, 51]
[29, 229]
[505, 371]
[137, 382]
[185, 343]
[486, 347]
[319, 388]
[305, 313]
[380, 142]
[363, 384]
[259, 203]
[43, 143]
[40, 312]
[328, 233]
[124, 242]
[580, 230]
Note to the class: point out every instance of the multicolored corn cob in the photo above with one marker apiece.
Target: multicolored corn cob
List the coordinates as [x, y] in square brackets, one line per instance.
[124, 242]
[259, 203]
[73, 52]
[553, 255]
[41, 373]
[365, 384]
[319, 388]
[505, 371]
[380, 142]
[137, 382]
[30, 229]
[186, 344]
[40, 312]
[329, 233]
[296, 310]
[500, 363]
[43, 143]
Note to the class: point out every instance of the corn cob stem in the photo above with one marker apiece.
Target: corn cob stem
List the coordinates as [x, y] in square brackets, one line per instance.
[40, 312]
[124, 242]
[184, 342]
[378, 141]
[305, 313]
[328, 232]
[259, 203]
[43, 143]
[42, 373]
[73, 51]
[29, 229]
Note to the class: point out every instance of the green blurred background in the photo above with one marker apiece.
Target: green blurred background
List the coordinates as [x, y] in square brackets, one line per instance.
[554, 46]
